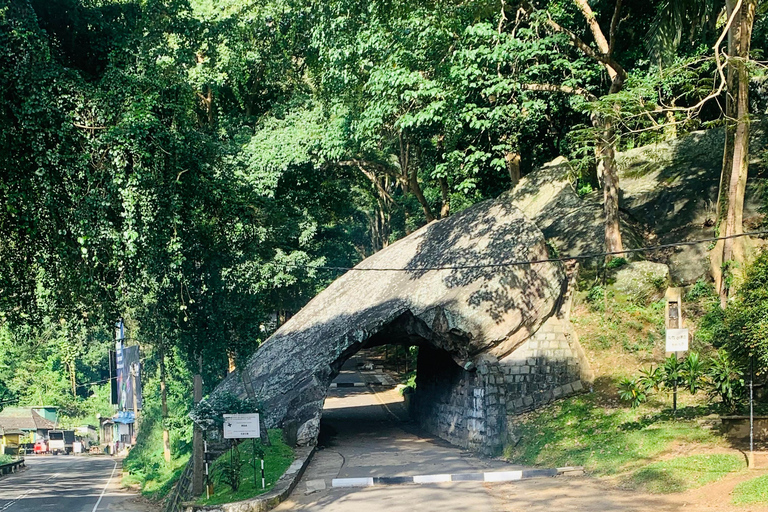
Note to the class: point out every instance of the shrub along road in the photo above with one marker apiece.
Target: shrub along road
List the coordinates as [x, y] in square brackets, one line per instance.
[68, 483]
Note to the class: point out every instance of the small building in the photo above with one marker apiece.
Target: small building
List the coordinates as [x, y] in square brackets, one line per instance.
[33, 422]
[10, 441]
[117, 432]
[87, 434]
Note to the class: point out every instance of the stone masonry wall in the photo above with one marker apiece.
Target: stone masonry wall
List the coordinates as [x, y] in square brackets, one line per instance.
[474, 408]
[544, 368]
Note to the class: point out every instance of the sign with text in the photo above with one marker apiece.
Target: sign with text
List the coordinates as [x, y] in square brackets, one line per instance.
[677, 340]
[241, 426]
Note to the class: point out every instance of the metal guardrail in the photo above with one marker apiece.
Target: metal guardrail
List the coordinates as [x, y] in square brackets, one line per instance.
[11, 467]
[181, 491]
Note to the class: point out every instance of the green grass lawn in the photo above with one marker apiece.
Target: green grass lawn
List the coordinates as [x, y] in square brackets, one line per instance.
[580, 431]
[277, 458]
[682, 473]
[751, 491]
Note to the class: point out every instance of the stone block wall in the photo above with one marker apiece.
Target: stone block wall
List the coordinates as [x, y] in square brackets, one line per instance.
[475, 408]
[545, 367]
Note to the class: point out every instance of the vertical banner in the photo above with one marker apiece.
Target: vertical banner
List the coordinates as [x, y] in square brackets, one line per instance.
[130, 373]
[113, 377]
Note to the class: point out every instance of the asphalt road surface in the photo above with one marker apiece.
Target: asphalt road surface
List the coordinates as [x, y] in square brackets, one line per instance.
[366, 432]
[67, 484]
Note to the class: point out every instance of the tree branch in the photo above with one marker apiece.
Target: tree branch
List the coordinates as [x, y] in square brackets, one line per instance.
[614, 27]
[594, 26]
[614, 68]
[565, 89]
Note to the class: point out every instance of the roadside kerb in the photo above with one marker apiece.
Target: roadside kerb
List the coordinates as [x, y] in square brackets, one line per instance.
[269, 500]
[12, 467]
[490, 476]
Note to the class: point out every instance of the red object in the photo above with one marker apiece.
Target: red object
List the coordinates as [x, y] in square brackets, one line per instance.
[40, 447]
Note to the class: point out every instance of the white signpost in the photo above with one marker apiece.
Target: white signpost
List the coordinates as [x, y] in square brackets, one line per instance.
[677, 340]
[245, 426]
[241, 426]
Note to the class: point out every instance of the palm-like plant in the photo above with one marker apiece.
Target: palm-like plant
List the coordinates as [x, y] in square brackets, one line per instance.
[694, 372]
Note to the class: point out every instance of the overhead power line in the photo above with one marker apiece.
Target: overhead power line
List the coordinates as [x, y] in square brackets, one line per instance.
[528, 262]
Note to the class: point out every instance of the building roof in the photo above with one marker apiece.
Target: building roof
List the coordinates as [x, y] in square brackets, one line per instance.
[24, 418]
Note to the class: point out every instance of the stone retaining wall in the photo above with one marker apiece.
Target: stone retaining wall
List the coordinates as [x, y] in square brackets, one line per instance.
[474, 408]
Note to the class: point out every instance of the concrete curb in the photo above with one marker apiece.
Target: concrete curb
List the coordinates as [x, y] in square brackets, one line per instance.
[269, 500]
[491, 476]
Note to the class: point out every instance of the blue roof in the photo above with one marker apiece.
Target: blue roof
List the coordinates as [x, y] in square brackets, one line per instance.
[124, 417]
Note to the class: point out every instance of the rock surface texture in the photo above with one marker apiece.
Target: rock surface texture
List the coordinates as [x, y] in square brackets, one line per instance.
[469, 314]
[668, 194]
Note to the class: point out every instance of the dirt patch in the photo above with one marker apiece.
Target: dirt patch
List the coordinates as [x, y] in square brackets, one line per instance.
[592, 494]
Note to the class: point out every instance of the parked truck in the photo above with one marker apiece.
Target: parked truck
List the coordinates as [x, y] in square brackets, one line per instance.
[61, 441]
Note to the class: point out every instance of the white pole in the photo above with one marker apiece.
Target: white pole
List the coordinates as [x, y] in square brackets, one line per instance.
[263, 485]
[751, 413]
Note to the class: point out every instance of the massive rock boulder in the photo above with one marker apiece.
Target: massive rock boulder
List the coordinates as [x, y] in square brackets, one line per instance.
[447, 285]
[668, 194]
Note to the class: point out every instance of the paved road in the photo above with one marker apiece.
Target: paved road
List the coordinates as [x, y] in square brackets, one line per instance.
[366, 432]
[67, 484]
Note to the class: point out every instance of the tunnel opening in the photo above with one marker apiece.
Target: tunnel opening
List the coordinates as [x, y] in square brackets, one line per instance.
[441, 399]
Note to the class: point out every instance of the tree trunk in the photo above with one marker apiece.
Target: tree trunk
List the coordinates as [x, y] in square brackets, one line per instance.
[445, 210]
[513, 168]
[411, 178]
[164, 404]
[729, 255]
[607, 172]
[415, 188]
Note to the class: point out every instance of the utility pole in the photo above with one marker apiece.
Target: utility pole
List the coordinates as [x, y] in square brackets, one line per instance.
[134, 371]
[198, 454]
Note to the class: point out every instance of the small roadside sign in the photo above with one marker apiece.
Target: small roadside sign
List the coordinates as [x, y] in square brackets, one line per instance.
[241, 426]
[677, 340]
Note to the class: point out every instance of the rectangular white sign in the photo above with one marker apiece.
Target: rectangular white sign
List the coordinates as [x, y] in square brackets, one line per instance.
[241, 426]
[677, 340]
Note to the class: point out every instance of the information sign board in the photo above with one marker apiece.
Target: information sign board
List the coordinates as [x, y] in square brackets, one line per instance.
[241, 426]
[677, 340]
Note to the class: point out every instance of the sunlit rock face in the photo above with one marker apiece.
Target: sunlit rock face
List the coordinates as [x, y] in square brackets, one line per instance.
[446, 285]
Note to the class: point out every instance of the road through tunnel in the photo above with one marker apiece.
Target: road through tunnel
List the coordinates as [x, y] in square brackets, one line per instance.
[448, 288]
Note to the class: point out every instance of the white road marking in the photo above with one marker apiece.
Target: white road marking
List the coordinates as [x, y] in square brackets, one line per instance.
[21, 497]
[105, 488]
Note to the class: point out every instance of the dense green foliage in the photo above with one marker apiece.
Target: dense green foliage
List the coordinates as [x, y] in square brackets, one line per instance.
[186, 165]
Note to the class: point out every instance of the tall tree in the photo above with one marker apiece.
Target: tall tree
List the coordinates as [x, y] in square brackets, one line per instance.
[729, 256]
[602, 53]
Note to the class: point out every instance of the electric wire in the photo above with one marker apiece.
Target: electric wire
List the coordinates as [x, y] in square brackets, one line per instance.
[526, 262]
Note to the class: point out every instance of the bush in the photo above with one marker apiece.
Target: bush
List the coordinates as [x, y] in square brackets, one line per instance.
[689, 373]
[702, 289]
[595, 297]
[725, 380]
[616, 263]
[632, 391]
[745, 322]
[231, 471]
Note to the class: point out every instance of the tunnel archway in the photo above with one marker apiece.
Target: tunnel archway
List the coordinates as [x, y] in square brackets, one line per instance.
[447, 287]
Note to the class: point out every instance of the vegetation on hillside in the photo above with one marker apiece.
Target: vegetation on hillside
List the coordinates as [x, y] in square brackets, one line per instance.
[236, 465]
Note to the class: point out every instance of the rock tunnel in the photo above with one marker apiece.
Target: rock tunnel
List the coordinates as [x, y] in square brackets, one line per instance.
[494, 338]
